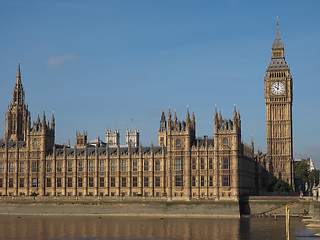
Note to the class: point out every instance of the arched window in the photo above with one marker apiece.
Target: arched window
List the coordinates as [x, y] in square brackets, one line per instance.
[225, 142]
[35, 143]
[178, 143]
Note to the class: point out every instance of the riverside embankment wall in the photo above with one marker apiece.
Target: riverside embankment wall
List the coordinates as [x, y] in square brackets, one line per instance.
[86, 206]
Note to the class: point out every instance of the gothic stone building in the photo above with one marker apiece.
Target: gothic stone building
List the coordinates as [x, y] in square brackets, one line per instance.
[181, 167]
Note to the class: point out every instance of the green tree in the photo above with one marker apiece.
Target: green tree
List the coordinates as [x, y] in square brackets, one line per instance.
[314, 177]
[301, 171]
[282, 186]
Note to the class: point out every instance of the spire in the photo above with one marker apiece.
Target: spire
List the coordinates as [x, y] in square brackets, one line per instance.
[18, 74]
[277, 41]
[188, 114]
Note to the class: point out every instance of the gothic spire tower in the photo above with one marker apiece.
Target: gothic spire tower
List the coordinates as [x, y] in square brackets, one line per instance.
[17, 116]
[278, 97]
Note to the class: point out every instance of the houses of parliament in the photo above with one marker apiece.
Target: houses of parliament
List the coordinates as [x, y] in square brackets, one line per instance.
[180, 167]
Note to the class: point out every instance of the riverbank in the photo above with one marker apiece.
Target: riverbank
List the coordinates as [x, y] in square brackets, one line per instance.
[154, 207]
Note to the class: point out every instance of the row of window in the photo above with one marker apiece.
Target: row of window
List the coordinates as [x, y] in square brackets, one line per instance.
[157, 181]
[178, 165]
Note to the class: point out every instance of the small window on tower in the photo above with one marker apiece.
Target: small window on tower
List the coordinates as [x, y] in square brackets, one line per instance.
[35, 143]
[225, 142]
[178, 143]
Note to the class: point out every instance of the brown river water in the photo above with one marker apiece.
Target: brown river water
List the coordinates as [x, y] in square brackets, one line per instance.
[114, 228]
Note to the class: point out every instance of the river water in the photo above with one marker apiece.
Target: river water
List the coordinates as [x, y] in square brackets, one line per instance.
[114, 228]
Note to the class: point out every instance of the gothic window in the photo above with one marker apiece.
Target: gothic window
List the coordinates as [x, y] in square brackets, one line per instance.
[22, 167]
[59, 167]
[80, 166]
[10, 182]
[91, 182]
[101, 166]
[211, 181]
[193, 181]
[101, 181]
[179, 181]
[194, 164]
[69, 179]
[202, 181]
[146, 181]
[69, 166]
[21, 182]
[146, 165]
[124, 166]
[178, 164]
[48, 182]
[11, 167]
[113, 182]
[178, 143]
[124, 182]
[135, 165]
[49, 169]
[210, 163]
[1, 183]
[225, 163]
[34, 182]
[225, 142]
[91, 166]
[134, 182]
[1, 167]
[157, 165]
[202, 164]
[225, 180]
[157, 181]
[59, 182]
[35, 143]
[80, 182]
[113, 166]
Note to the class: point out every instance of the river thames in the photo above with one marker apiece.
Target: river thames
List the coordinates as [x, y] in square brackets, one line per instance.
[91, 228]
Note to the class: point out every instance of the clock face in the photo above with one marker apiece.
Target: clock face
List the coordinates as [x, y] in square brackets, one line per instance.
[277, 88]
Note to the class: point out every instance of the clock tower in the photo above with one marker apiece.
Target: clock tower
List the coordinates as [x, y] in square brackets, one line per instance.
[278, 97]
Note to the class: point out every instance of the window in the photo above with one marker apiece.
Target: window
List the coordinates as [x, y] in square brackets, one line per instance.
[69, 166]
[124, 165]
[211, 181]
[1, 167]
[193, 164]
[11, 167]
[79, 181]
[34, 182]
[49, 169]
[202, 164]
[1, 183]
[101, 181]
[21, 167]
[225, 142]
[102, 166]
[178, 164]
[113, 166]
[123, 182]
[225, 181]
[35, 143]
[10, 182]
[90, 181]
[21, 155]
[157, 181]
[225, 163]
[35, 155]
[210, 163]
[134, 182]
[193, 181]
[21, 182]
[146, 181]
[146, 165]
[80, 166]
[91, 166]
[59, 182]
[135, 165]
[157, 165]
[113, 182]
[202, 181]
[59, 166]
[179, 181]
[48, 182]
[69, 181]
[34, 167]
[11, 155]
[178, 143]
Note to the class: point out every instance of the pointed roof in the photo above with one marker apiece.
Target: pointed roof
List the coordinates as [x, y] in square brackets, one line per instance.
[277, 41]
[18, 75]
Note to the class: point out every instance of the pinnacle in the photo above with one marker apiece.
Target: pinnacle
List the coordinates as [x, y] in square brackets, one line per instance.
[277, 41]
[18, 74]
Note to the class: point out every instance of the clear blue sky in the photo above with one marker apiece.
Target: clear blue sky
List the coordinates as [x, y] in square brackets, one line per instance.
[102, 63]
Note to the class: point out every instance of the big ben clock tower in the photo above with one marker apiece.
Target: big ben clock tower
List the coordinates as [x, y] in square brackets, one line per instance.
[278, 97]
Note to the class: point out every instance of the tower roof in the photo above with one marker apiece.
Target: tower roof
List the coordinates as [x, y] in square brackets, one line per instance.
[18, 75]
[277, 41]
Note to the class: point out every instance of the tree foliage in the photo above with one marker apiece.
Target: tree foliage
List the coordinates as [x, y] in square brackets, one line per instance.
[279, 186]
[301, 171]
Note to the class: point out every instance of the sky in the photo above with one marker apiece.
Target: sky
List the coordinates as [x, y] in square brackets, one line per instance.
[99, 64]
